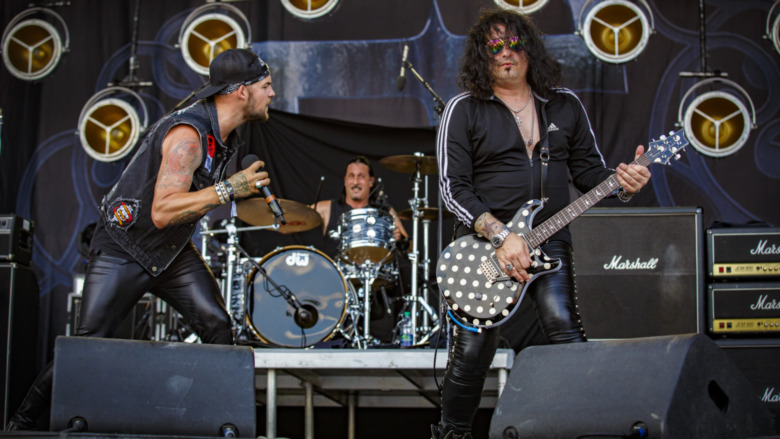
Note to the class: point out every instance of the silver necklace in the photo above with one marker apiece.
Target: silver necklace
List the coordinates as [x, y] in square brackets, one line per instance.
[519, 121]
[517, 112]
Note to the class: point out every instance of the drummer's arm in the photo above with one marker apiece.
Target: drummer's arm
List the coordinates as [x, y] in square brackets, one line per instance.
[399, 227]
[323, 208]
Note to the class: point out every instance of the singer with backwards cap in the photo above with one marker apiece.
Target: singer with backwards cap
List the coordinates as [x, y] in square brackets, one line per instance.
[142, 242]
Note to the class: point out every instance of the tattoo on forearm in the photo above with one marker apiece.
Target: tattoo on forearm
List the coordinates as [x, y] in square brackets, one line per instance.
[189, 216]
[240, 184]
[487, 225]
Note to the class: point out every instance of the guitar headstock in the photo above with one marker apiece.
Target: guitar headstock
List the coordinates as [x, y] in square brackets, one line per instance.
[667, 148]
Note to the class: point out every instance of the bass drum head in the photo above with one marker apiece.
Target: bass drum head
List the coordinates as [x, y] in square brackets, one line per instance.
[313, 279]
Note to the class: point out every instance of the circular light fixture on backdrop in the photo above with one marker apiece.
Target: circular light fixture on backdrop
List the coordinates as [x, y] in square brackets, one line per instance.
[309, 9]
[110, 125]
[616, 31]
[774, 33]
[523, 6]
[210, 30]
[32, 46]
[717, 122]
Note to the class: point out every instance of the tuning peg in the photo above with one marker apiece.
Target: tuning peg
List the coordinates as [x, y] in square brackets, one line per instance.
[677, 156]
[663, 137]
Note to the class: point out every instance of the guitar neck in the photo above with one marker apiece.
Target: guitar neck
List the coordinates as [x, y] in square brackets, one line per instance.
[541, 233]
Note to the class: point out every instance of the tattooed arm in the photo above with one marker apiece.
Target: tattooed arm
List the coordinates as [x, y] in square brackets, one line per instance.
[514, 251]
[181, 155]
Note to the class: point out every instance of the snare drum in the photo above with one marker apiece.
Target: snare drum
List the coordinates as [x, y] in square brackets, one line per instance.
[314, 279]
[366, 235]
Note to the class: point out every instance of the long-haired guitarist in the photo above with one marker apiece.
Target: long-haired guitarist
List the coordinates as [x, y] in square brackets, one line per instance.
[513, 135]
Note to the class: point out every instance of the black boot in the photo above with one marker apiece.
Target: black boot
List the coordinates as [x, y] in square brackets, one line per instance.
[34, 403]
[439, 432]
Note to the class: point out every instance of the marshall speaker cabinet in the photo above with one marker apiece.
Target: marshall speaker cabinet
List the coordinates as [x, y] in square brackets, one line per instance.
[743, 253]
[639, 271]
[750, 308]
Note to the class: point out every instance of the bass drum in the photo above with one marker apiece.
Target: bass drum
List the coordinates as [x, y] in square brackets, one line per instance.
[313, 279]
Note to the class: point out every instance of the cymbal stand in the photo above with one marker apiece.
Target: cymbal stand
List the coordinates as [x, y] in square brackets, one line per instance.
[236, 305]
[413, 256]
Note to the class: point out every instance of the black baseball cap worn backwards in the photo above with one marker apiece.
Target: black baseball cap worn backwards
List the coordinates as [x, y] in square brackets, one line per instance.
[231, 69]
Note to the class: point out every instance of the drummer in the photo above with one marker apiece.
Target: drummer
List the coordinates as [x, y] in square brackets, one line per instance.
[358, 192]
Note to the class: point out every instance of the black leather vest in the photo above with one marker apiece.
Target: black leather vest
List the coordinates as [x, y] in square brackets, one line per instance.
[127, 208]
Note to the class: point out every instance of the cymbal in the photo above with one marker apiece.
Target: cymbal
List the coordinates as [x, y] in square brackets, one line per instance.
[299, 217]
[408, 164]
[428, 213]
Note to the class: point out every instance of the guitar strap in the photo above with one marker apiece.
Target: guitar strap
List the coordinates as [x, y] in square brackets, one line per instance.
[544, 154]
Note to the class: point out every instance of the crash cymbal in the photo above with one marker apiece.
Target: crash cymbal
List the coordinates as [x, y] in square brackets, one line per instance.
[408, 164]
[427, 213]
[299, 217]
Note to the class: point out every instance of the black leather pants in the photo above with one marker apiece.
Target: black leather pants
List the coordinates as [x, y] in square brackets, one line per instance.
[554, 300]
[112, 287]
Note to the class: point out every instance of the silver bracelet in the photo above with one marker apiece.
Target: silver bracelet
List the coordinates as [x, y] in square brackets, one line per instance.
[217, 188]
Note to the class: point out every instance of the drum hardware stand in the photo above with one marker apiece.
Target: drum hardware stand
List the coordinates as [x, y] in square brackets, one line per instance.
[415, 203]
[237, 313]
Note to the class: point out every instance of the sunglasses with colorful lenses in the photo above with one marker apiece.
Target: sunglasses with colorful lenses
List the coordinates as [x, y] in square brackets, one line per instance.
[497, 45]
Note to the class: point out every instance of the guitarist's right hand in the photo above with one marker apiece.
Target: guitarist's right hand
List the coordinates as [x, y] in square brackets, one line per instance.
[514, 251]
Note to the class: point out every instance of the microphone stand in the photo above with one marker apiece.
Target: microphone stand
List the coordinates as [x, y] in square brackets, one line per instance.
[438, 107]
[438, 102]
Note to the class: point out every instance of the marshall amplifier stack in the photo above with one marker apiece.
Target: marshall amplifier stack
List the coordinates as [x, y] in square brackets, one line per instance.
[744, 272]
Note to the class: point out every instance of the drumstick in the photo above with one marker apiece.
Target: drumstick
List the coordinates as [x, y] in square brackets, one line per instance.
[319, 189]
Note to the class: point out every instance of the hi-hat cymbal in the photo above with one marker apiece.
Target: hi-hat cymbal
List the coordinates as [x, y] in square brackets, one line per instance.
[427, 213]
[299, 217]
[408, 164]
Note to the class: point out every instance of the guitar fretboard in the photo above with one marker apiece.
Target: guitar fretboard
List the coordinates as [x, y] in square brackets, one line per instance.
[569, 213]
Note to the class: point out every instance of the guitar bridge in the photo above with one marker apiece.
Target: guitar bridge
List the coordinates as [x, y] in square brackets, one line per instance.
[491, 271]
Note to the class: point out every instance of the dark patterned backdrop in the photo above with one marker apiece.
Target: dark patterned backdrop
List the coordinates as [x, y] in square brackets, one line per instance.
[335, 81]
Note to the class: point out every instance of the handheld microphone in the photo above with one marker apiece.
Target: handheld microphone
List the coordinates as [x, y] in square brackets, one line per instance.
[269, 197]
[400, 81]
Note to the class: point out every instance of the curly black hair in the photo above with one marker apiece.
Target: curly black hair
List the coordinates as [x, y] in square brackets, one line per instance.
[544, 72]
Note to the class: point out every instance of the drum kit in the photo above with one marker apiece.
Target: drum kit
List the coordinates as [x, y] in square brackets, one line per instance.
[297, 297]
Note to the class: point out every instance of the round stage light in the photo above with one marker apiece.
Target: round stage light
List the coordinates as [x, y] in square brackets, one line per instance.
[616, 31]
[774, 34]
[309, 9]
[32, 47]
[717, 122]
[524, 6]
[210, 30]
[110, 125]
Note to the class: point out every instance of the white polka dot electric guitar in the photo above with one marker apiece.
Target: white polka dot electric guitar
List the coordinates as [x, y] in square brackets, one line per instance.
[474, 286]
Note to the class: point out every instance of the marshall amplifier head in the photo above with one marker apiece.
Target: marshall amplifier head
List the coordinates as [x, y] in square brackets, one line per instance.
[639, 271]
[16, 239]
[744, 308]
[734, 253]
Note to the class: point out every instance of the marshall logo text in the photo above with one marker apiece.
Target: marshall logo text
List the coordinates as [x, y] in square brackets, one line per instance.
[638, 264]
[762, 249]
[763, 305]
[770, 395]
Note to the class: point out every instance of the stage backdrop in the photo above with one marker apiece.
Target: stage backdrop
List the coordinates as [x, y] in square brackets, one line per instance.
[335, 78]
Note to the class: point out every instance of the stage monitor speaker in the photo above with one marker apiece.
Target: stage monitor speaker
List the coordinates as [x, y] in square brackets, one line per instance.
[148, 387]
[640, 271]
[680, 386]
[19, 322]
[757, 359]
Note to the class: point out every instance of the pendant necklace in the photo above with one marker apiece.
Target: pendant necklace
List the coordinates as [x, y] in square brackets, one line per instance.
[519, 121]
